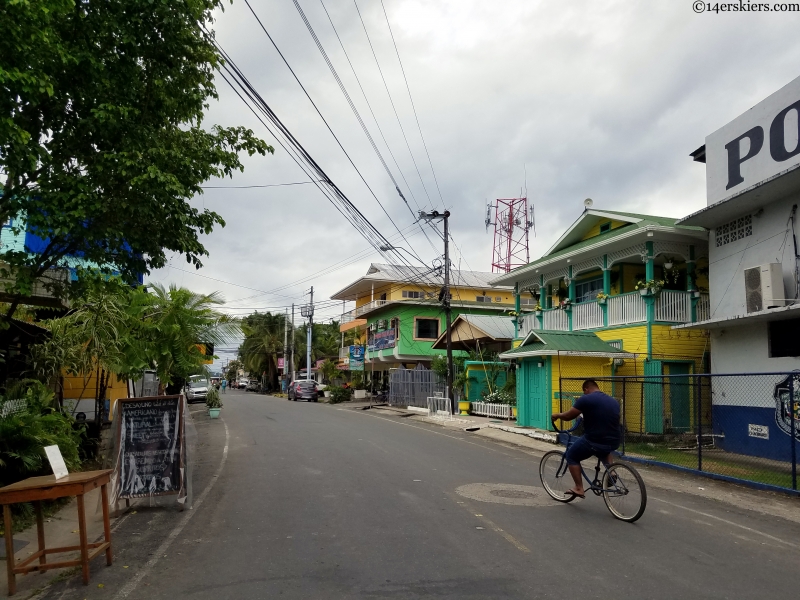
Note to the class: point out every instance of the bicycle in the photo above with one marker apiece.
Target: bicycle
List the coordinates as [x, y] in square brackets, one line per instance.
[622, 487]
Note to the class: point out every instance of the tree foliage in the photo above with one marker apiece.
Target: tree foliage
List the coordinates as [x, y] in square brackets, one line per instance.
[102, 143]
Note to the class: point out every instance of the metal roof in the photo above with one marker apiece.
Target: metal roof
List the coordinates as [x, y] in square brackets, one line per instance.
[570, 343]
[494, 327]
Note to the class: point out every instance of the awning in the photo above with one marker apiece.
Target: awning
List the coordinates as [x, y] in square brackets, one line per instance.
[564, 343]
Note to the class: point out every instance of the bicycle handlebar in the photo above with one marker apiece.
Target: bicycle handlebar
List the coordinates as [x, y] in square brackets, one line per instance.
[578, 422]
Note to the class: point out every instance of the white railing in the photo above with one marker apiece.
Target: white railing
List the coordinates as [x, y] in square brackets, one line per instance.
[369, 306]
[626, 308]
[530, 322]
[674, 307]
[347, 317]
[438, 406]
[491, 409]
[587, 315]
[703, 308]
[555, 320]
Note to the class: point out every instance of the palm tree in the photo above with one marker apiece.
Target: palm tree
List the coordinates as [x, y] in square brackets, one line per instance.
[176, 321]
[262, 343]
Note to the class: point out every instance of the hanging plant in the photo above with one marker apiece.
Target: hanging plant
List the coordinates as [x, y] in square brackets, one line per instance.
[652, 287]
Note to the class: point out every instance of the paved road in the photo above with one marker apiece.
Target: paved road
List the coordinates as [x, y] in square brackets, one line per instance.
[316, 501]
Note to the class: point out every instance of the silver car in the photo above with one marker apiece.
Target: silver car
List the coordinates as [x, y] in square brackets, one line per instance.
[196, 390]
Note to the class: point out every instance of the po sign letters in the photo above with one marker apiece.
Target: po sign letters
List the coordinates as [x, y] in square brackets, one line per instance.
[758, 145]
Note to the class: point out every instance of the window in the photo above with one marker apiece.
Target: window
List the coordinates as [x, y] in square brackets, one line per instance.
[483, 298]
[605, 227]
[783, 338]
[408, 294]
[498, 299]
[426, 329]
[383, 296]
[735, 230]
[527, 302]
[615, 343]
[588, 290]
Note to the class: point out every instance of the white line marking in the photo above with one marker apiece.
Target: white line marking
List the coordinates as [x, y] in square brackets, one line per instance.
[131, 585]
[745, 527]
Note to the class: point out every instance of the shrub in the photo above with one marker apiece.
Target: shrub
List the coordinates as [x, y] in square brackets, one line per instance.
[212, 399]
[339, 394]
[358, 381]
[28, 423]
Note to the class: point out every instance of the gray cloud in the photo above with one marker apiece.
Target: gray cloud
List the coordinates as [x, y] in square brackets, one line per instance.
[601, 99]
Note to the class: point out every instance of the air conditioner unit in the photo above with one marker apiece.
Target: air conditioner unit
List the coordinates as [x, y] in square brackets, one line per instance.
[763, 287]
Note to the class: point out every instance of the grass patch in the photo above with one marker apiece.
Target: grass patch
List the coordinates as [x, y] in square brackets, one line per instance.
[718, 462]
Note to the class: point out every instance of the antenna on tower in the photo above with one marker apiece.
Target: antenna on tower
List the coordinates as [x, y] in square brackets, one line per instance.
[511, 226]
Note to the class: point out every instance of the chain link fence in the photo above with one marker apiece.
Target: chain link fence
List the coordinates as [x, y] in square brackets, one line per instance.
[735, 426]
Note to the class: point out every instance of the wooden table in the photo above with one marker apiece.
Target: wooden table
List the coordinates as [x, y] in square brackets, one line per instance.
[36, 489]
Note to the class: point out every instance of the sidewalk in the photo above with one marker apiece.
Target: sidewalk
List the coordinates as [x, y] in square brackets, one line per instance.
[59, 530]
[533, 442]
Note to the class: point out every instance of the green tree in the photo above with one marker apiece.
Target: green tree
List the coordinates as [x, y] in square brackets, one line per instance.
[102, 143]
[232, 373]
[263, 343]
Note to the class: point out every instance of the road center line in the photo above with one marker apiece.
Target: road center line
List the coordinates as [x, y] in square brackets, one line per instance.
[176, 531]
[745, 527]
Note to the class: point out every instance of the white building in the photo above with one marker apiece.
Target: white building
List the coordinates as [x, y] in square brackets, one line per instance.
[753, 189]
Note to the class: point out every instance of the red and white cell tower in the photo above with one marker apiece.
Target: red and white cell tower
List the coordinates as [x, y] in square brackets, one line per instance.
[512, 222]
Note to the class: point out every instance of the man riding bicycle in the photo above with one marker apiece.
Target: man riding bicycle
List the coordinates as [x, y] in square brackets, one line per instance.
[601, 431]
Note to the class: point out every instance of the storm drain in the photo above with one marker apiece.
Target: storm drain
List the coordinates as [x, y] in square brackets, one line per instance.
[506, 493]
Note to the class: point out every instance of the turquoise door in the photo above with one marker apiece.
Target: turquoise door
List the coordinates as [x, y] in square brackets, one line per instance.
[653, 397]
[533, 396]
[680, 397]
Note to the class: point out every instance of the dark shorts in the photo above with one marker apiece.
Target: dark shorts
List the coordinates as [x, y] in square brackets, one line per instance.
[582, 449]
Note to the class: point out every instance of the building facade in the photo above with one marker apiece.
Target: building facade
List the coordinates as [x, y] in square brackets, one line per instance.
[621, 281]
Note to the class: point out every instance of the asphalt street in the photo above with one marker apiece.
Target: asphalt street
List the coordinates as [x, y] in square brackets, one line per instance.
[297, 500]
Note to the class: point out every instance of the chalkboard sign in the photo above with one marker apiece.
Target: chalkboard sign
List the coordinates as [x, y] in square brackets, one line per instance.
[151, 436]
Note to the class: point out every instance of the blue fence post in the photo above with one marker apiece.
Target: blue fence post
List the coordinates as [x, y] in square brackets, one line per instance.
[794, 431]
[699, 402]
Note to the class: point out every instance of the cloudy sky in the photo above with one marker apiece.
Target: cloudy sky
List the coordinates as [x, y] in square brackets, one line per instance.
[602, 99]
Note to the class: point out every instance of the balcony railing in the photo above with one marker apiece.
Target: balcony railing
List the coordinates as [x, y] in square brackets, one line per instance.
[361, 310]
[671, 306]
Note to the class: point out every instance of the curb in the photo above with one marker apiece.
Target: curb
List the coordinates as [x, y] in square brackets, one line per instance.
[537, 435]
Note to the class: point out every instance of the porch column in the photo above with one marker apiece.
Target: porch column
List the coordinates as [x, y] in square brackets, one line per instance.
[650, 301]
[516, 309]
[542, 301]
[549, 296]
[606, 289]
[690, 283]
[571, 296]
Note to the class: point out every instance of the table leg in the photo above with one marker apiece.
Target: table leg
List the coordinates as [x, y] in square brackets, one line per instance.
[106, 524]
[84, 541]
[37, 506]
[12, 582]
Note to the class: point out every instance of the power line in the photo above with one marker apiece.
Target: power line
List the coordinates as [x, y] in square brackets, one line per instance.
[413, 107]
[286, 62]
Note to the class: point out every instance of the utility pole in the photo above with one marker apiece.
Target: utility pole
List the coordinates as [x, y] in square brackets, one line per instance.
[445, 299]
[291, 350]
[285, 336]
[308, 311]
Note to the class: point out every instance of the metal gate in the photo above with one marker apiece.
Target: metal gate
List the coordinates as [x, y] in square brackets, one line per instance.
[413, 387]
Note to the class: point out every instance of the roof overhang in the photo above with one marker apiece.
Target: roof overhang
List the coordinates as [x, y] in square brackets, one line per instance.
[543, 352]
[583, 225]
[780, 313]
[748, 200]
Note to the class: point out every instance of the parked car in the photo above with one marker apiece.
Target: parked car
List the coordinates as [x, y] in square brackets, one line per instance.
[253, 386]
[303, 390]
[196, 390]
[242, 383]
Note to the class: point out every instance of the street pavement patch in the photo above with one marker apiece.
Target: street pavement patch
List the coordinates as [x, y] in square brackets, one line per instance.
[505, 493]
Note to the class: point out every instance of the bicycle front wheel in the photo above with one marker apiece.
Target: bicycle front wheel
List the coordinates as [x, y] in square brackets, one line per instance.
[624, 492]
[555, 477]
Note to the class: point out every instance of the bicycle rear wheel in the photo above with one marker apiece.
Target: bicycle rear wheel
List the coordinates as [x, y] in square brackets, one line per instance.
[624, 492]
[555, 477]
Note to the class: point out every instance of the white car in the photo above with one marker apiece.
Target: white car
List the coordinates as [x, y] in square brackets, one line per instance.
[197, 390]
[242, 383]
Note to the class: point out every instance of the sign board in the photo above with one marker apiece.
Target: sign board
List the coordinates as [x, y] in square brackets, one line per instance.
[281, 363]
[755, 146]
[356, 358]
[384, 339]
[56, 461]
[151, 437]
[758, 431]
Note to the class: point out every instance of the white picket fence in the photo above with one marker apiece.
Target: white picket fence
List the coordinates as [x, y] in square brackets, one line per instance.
[555, 320]
[673, 307]
[491, 409]
[626, 308]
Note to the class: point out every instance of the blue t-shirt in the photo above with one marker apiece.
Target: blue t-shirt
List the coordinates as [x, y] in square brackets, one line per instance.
[600, 419]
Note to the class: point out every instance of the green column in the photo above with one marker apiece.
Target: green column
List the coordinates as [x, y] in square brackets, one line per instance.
[542, 301]
[649, 264]
[516, 309]
[650, 301]
[606, 289]
[549, 296]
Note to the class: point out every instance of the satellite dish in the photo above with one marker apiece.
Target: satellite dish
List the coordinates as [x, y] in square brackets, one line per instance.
[588, 202]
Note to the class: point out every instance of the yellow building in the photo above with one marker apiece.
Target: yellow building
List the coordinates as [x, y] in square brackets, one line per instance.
[617, 283]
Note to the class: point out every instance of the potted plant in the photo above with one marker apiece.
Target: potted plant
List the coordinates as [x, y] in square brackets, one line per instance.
[601, 298]
[213, 403]
[538, 309]
[359, 390]
[651, 287]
